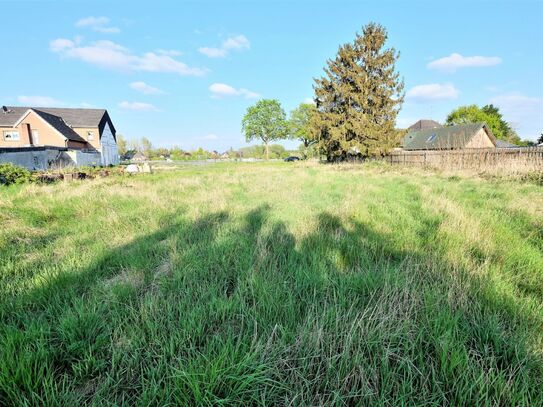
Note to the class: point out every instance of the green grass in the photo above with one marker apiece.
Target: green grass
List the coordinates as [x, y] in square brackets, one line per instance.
[260, 284]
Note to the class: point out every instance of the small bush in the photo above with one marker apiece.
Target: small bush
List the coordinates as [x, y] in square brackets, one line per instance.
[13, 174]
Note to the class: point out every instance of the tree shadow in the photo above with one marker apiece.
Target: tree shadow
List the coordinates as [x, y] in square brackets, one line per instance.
[233, 309]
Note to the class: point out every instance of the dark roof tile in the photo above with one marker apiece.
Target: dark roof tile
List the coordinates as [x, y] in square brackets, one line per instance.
[444, 138]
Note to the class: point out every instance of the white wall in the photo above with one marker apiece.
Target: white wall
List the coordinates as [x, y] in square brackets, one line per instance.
[85, 159]
[108, 147]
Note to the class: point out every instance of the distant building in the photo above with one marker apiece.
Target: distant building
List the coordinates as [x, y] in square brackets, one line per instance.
[73, 129]
[138, 157]
[505, 144]
[424, 125]
[473, 135]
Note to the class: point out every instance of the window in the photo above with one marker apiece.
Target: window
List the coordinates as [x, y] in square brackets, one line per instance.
[431, 138]
[11, 135]
[90, 135]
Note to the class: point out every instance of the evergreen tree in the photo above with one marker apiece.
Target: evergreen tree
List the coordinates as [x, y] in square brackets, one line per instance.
[359, 98]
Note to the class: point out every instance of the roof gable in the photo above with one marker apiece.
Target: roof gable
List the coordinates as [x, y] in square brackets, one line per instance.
[59, 125]
[424, 124]
[445, 138]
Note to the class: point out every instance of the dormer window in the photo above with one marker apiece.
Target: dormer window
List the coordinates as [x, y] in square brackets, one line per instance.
[90, 135]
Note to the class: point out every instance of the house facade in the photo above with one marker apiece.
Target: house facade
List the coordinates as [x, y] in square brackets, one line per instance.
[75, 129]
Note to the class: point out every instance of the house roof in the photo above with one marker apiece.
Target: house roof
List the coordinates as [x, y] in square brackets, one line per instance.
[444, 138]
[424, 124]
[72, 117]
[59, 125]
[505, 144]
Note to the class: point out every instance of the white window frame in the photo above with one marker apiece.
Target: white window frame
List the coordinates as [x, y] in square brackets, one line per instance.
[8, 135]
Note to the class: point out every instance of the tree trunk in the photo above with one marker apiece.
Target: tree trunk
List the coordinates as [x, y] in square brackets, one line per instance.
[267, 151]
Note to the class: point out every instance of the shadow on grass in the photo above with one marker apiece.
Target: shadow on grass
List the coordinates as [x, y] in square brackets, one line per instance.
[235, 310]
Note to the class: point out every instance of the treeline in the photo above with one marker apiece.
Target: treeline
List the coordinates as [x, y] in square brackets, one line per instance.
[129, 148]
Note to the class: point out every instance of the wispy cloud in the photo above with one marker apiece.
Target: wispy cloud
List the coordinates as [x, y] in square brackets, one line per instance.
[169, 52]
[98, 24]
[523, 112]
[138, 106]
[146, 89]
[110, 55]
[236, 43]
[220, 90]
[39, 101]
[210, 137]
[432, 92]
[456, 61]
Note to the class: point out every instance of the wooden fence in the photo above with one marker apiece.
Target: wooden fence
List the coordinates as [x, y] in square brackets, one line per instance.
[516, 159]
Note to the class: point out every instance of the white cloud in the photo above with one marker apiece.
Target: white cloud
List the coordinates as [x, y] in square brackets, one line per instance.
[91, 21]
[523, 112]
[169, 52]
[456, 61]
[98, 24]
[110, 55]
[39, 101]
[107, 30]
[432, 92]
[236, 43]
[138, 106]
[220, 90]
[61, 44]
[145, 88]
[213, 52]
[211, 137]
[309, 101]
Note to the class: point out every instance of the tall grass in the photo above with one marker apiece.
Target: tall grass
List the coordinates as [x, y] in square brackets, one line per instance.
[259, 284]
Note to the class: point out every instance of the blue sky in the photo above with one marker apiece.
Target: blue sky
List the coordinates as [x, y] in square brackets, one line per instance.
[184, 72]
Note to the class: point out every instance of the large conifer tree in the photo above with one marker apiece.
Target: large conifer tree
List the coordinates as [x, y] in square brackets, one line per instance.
[359, 98]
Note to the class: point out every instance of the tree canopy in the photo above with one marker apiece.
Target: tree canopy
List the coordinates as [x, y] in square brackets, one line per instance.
[266, 121]
[489, 114]
[300, 120]
[359, 97]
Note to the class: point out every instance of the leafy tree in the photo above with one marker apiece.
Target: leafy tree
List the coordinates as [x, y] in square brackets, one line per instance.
[489, 114]
[359, 98]
[146, 146]
[300, 125]
[135, 145]
[122, 147]
[267, 121]
[540, 139]
[300, 120]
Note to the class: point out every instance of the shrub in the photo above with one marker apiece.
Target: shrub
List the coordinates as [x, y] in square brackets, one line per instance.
[13, 174]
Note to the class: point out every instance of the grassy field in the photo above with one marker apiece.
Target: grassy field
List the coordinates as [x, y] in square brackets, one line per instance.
[260, 284]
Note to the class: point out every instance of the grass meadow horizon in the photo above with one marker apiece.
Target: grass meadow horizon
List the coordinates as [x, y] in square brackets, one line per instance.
[272, 284]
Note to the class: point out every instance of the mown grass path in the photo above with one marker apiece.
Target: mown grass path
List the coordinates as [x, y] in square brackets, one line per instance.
[260, 284]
